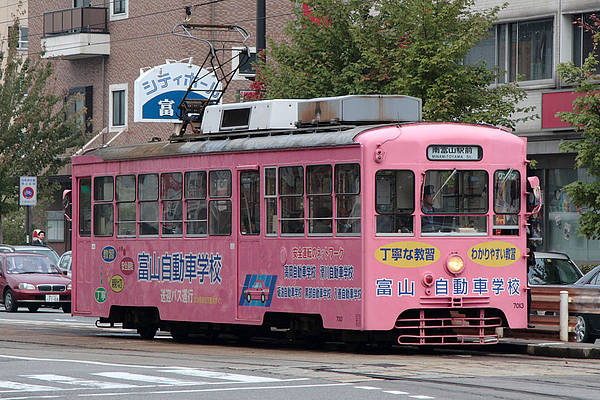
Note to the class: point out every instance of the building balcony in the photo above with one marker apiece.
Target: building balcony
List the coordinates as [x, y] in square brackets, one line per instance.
[76, 33]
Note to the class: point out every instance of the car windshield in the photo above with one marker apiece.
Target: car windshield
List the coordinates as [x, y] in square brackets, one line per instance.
[40, 250]
[19, 264]
[553, 271]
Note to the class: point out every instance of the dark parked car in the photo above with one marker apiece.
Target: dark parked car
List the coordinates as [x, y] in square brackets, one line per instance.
[587, 328]
[553, 268]
[32, 281]
[557, 269]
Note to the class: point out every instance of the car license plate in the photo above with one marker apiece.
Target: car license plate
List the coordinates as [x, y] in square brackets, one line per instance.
[52, 298]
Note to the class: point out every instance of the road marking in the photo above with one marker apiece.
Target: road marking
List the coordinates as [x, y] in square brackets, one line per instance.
[366, 387]
[67, 380]
[421, 397]
[221, 375]
[22, 387]
[215, 390]
[149, 378]
[395, 392]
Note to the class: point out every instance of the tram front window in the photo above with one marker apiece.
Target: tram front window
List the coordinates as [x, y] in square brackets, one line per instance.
[454, 202]
[394, 202]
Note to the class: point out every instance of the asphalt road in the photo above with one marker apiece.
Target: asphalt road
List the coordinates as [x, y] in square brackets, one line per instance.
[53, 355]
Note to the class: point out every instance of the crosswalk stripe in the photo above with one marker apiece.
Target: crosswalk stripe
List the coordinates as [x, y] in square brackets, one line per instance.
[67, 380]
[23, 386]
[220, 375]
[148, 378]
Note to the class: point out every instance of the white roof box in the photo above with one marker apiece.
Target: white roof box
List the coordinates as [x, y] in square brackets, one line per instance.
[292, 114]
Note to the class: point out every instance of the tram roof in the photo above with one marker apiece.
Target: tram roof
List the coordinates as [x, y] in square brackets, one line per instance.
[314, 137]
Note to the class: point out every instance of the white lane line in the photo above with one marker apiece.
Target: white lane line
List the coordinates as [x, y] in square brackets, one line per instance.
[158, 380]
[23, 387]
[131, 394]
[366, 387]
[220, 375]
[395, 392]
[67, 380]
[421, 397]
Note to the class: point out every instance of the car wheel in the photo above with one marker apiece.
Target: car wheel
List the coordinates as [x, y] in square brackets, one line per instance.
[248, 297]
[10, 303]
[147, 332]
[33, 308]
[582, 330]
[66, 308]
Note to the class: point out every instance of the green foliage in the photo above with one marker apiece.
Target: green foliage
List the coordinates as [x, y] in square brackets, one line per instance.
[35, 129]
[410, 47]
[585, 118]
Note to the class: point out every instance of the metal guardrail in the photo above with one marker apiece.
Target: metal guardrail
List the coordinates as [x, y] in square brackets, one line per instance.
[546, 308]
[76, 20]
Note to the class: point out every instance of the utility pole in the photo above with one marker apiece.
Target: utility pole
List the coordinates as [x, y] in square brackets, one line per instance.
[261, 25]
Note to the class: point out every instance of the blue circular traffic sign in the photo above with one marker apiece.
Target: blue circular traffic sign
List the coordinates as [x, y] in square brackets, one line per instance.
[28, 192]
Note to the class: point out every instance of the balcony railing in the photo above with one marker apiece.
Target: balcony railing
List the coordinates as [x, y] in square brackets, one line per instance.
[76, 20]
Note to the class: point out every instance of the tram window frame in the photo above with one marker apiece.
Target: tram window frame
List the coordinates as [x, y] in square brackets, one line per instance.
[347, 190]
[319, 189]
[85, 207]
[271, 221]
[393, 220]
[447, 222]
[103, 218]
[291, 200]
[125, 195]
[171, 195]
[219, 204]
[249, 203]
[506, 210]
[149, 211]
[196, 203]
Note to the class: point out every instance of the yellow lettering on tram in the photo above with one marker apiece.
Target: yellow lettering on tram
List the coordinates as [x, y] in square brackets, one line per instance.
[407, 254]
[494, 254]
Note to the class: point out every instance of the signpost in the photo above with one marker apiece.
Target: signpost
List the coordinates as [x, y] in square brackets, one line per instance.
[28, 198]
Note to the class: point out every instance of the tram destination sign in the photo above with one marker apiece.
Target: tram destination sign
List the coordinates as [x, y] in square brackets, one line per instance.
[443, 152]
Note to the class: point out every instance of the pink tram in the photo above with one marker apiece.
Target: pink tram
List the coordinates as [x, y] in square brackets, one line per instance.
[343, 217]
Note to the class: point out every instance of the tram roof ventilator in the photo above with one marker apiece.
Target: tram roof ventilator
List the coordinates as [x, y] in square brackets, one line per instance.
[289, 115]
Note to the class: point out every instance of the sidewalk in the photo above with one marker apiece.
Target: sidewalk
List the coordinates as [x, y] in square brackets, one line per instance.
[551, 348]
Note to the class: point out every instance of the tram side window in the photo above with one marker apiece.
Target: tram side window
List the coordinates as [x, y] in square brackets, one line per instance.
[148, 202]
[319, 181]
[394, 201]
[195, 203]
[126, 207]
[249, 203]
[271, 200]
[85, 207]
[103, 206]
[507, 201]
[452, 199]
[219, 205]
[291, 197]
[347, 195]
[171, 191]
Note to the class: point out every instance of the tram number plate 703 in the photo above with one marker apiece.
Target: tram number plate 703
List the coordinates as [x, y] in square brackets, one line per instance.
[518, 305]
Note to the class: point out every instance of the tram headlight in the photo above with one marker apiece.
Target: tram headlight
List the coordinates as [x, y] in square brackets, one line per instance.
[455, 264]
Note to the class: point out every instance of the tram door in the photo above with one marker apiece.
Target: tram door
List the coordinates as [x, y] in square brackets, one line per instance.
[252, 286]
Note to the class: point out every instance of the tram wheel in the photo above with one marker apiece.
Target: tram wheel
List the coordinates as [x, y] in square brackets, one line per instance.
[147, 332]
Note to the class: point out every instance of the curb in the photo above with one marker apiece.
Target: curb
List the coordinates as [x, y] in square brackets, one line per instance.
[551, 349]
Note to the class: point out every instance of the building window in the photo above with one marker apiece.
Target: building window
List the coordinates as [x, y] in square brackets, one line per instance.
[55, 226]
[117, 106]
[82, 3]
[521, 50]
[583, 39]
[119, 9]
[246, 62]
[23, 38]
[81, 97]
